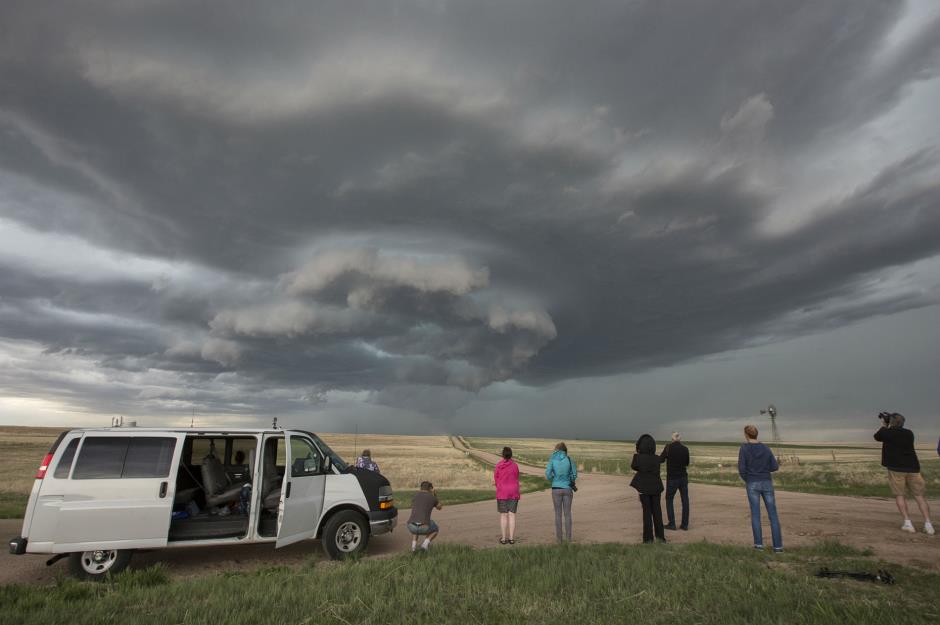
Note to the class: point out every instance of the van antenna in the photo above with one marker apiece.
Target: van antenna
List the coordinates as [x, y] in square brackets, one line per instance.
[274, 423]
[192, 422]
[356, 441]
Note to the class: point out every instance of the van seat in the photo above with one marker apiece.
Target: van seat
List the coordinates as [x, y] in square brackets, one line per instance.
[220, 489]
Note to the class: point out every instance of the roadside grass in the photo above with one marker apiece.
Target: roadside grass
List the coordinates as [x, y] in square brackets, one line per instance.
[579, 584]
[828, 470]
[13, 505]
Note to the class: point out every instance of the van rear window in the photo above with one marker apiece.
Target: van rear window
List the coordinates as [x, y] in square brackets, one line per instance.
[65, 462]
[114, 457]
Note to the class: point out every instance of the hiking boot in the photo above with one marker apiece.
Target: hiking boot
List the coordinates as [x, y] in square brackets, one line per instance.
[928, 528]
[908, 527]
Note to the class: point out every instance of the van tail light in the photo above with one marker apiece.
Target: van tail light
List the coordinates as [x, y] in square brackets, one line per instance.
[41, 473]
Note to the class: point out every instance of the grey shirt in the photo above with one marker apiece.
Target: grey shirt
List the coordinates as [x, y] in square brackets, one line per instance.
[421, 507]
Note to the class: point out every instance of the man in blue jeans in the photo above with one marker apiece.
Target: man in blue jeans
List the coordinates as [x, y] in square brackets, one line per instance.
[676, 457]
[755, 464]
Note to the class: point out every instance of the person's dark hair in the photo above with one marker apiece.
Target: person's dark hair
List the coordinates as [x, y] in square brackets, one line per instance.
[507, 452]
[239, 457]
[646, 444]
[366, 453]
[426, 485]
[561, 447]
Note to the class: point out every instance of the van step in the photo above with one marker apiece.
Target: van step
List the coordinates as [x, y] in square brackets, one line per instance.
[205, 527]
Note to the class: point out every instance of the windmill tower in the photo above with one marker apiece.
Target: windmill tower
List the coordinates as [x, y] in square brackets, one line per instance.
[771, 411]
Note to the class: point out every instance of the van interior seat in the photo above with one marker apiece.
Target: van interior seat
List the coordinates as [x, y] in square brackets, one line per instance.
[270, 481]
[219, 487]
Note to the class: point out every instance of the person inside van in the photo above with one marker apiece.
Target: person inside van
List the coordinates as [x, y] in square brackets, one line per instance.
[420, 523]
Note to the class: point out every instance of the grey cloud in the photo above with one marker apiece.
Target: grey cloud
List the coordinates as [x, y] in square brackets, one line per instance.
[302, 200]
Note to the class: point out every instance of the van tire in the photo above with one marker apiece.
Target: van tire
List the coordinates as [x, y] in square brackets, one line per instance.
[96, 566]
[345, 535]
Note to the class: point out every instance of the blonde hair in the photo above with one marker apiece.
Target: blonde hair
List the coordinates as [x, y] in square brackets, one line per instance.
[675, 436]
[751, 432]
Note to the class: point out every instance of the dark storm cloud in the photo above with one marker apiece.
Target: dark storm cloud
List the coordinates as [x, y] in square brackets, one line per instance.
[252, 208]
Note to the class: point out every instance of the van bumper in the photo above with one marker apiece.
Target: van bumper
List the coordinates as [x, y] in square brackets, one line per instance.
[383, 521]
[18, 545]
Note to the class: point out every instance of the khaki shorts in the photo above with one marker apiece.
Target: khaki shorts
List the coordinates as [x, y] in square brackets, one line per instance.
[907, 484]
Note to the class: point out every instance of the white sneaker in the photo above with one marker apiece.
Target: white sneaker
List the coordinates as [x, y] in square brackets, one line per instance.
[908, 527]
[928, 528]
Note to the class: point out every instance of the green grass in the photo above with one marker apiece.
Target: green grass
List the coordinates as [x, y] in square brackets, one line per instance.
[577, 584]
[454, 496]
[13, 505]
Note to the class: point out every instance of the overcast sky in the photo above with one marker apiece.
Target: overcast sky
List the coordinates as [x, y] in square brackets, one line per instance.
[588, 219]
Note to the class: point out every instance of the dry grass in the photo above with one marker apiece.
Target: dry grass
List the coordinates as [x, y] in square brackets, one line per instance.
[408, 460]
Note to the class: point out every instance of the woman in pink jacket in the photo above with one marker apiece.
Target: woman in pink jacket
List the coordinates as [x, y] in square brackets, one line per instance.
[506, 476]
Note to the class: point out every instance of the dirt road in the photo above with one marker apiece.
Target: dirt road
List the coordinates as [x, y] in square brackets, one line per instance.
[605, 509]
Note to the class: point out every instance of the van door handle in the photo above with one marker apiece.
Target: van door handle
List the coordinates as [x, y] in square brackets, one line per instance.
[287, 494]
[163, 487]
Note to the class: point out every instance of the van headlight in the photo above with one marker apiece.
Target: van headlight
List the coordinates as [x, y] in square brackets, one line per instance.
[386, 499]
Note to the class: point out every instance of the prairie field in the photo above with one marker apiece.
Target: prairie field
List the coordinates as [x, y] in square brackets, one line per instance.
[840, 469]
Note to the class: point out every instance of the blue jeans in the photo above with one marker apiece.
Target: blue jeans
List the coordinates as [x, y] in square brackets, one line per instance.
[680, 484]
[757, 490]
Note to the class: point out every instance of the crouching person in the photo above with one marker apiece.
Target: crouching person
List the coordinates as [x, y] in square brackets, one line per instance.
[420, 523]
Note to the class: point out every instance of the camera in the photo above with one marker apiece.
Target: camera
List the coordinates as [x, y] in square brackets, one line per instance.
[885, 417]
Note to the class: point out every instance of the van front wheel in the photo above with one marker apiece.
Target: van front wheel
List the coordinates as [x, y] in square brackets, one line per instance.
[345, 534]
[96, 565]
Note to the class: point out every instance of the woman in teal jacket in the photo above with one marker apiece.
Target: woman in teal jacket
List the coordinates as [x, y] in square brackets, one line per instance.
[563, 472]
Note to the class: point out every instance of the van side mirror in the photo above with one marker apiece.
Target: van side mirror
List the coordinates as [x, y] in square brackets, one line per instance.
[326, 465]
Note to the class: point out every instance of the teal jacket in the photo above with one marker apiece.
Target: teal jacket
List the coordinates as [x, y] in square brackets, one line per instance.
[561, 470]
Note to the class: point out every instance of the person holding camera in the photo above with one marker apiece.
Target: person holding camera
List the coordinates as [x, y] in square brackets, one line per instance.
[755, 464]
[420, 523]
[900, 459]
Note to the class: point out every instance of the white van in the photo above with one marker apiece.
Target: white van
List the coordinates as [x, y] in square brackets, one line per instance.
[102, 493]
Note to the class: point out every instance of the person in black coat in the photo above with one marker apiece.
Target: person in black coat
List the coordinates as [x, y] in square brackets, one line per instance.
[650, 486]
[676, 457]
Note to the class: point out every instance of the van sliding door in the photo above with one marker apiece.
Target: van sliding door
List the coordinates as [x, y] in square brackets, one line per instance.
[120, 493]
[301, 491]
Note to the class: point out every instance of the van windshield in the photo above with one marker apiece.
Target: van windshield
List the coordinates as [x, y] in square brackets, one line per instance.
[338, 462]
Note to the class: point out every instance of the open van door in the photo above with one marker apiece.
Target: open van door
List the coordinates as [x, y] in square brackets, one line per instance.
[302, 490]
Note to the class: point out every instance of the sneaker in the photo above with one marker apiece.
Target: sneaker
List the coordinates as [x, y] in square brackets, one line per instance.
[908, 527]
[759, 547]
[928, 528]
[778, 549]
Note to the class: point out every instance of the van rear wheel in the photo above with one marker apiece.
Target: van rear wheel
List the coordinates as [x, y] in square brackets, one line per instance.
[95, 566]
[345, 534]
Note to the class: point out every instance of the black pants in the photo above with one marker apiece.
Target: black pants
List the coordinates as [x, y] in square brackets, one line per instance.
[682, 485]
[652, 517]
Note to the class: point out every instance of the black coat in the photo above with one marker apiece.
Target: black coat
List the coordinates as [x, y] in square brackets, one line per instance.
[646, 480]
[676, 457]
[897, 450]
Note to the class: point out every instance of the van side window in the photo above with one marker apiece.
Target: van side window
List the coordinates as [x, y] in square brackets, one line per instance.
[149, 457]
[201, 447]
[305, 459]
[65, 462]
[102, 457]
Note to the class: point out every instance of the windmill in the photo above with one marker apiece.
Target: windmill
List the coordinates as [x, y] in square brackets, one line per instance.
[771, 411]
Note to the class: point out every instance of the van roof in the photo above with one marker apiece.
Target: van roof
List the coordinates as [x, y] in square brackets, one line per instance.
[215, 430]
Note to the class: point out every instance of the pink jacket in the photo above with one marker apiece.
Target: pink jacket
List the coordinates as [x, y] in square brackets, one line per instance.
[506, 476]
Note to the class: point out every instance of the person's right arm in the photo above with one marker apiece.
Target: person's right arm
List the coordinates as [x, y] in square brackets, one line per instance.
[742, 463]
[880, 434]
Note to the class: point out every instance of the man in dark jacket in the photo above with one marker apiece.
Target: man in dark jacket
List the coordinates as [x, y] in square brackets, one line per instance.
[676, 457]
[900, 459]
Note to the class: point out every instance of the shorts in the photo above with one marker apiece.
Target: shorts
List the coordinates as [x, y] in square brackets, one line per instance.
[507, 505]
[907, 483]
[424, 528]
